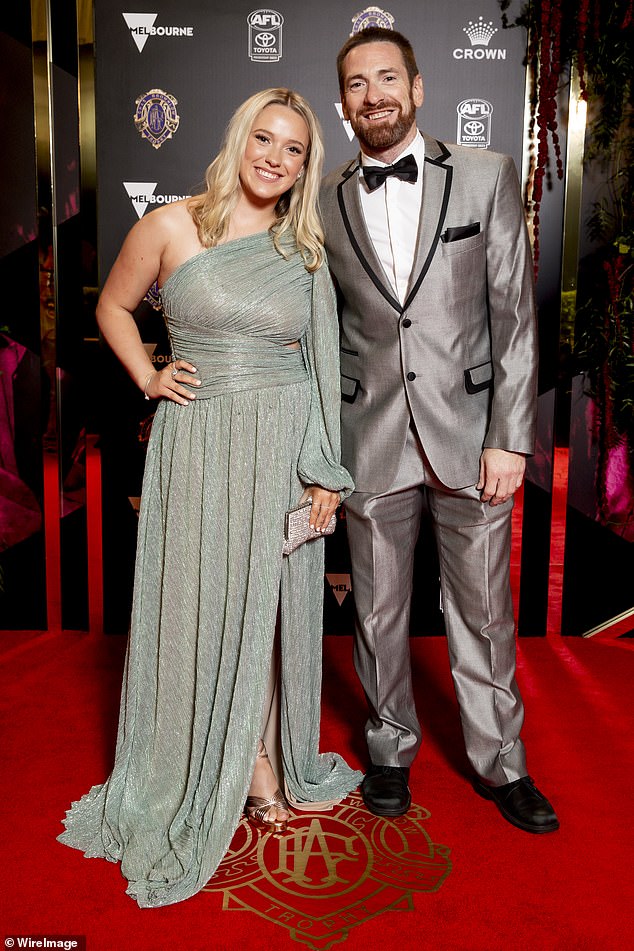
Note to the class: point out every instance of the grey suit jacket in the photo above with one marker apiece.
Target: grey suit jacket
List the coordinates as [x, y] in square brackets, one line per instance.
[459, 357]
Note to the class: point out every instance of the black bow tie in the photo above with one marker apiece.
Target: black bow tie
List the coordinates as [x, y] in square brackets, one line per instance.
[406, 169]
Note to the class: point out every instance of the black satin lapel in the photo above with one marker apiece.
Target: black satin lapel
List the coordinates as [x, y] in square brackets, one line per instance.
[354, 222]
[436, 191]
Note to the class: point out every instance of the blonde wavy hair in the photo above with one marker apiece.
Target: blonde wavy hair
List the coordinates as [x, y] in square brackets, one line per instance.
[297, 225]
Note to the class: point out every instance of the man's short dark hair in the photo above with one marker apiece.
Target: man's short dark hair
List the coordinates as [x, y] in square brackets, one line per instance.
[376, 34]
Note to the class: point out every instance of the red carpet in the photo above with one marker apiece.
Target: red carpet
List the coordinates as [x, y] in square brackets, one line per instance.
[505, 889]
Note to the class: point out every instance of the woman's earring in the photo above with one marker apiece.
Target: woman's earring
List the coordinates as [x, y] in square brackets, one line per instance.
[300, 173]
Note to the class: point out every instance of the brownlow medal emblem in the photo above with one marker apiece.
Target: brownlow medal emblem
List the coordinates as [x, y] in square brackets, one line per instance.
[156, 117]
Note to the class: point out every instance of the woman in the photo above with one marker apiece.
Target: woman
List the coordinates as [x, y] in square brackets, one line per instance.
[247, 424]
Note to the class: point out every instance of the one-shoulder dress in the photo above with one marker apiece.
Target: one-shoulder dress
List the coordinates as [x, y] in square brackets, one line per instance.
[210, 575]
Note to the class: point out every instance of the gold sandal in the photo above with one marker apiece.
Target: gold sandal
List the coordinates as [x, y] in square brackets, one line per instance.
[256, 809]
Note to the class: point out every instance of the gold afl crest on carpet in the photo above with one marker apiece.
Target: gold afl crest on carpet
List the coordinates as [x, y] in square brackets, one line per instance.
[331, 871]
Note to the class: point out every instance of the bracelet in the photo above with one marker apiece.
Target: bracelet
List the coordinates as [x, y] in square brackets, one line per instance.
[148, 378]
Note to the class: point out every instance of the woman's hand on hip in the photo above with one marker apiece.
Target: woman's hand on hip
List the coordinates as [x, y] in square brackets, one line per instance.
[168, 383]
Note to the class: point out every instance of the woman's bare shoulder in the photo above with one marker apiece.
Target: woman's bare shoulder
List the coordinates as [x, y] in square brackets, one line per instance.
[164, 226]
[173, 216]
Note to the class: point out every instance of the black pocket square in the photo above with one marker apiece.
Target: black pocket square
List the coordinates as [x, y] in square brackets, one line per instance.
[460, 232]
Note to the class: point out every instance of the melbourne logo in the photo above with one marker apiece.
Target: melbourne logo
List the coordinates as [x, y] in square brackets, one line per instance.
[265, 36]
[142, 196]
[340, 586]
[479, 34]
[372, 16]
[347, 126]
[141, 26]
[474, 123]
[156, 117]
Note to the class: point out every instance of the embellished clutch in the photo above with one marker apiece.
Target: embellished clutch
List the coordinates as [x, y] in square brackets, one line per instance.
[297, 528]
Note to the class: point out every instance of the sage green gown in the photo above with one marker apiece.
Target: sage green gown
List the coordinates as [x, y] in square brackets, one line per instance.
[219, 476]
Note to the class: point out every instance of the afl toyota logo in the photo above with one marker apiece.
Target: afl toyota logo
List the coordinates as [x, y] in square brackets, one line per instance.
[264, 39]
[265, 36]
[474, 123]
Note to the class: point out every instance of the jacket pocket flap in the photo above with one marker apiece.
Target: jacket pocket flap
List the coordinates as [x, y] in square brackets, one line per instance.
[349, 388]
[479, 377]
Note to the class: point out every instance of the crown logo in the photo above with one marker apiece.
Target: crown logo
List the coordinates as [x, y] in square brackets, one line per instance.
[480, 33]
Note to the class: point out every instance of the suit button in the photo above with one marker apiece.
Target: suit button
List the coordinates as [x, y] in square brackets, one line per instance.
[411, 376]
[407, 322]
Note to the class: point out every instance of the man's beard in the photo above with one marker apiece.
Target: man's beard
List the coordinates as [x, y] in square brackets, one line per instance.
[385, 135]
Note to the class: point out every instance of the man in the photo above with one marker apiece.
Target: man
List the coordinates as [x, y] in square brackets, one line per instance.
[428, 245]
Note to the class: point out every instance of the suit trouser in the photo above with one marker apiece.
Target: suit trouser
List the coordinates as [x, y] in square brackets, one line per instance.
[474, 542]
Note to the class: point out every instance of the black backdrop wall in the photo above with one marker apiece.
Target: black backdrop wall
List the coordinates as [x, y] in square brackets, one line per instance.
[167, 82]
[168, 76]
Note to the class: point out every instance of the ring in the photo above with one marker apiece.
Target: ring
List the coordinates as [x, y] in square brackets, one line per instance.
[174, 372]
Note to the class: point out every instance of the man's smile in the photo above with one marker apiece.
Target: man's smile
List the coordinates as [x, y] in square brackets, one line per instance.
[374, 116]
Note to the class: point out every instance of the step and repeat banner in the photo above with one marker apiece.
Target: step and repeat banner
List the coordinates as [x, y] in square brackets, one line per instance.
[168, 77]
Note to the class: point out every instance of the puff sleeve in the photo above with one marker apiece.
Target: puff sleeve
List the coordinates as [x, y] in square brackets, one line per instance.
[319, 459]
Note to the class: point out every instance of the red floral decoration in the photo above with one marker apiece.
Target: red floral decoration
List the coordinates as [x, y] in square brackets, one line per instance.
[597, 37]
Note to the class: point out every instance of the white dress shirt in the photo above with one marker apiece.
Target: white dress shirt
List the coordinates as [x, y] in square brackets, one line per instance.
[392, 214]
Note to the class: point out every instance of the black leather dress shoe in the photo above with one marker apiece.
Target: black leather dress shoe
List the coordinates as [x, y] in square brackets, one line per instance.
[385, 791]
[521, 804]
